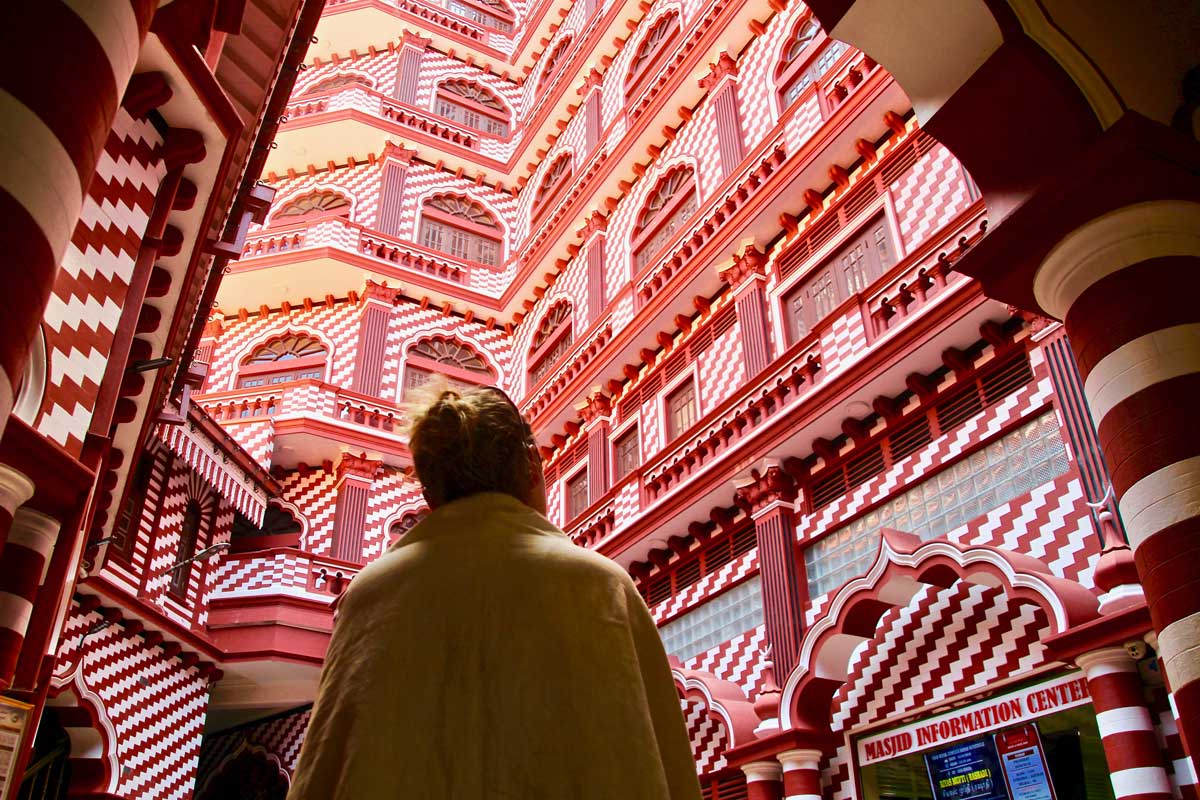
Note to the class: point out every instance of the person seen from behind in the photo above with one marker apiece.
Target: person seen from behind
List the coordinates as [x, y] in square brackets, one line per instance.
[485, 656]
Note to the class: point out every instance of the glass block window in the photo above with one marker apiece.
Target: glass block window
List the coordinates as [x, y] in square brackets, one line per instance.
[1007, 468]
[727, 615]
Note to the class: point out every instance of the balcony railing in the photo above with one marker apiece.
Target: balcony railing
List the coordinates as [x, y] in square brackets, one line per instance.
[350, 237]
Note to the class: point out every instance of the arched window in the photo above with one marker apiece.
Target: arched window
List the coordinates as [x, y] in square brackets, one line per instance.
[491, 13]
[288, 358]
[668, 209]
[189, 534]
[652, 53]
[807, 56]
[317, 204]
[403, 525]
[551, 341]
[337, 82]
[552, 62]
[461, 227]
[472, 105]
[459, 363]
[553, 183]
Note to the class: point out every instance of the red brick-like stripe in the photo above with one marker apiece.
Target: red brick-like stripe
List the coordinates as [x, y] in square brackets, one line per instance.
[1167, 563]
[74, 90]
[1150, 430]
[1103, 317]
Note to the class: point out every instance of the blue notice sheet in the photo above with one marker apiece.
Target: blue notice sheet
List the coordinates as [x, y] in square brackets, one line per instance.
[967, 770]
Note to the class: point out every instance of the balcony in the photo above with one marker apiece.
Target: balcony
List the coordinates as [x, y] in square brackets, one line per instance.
[333, 256]
[276, 603]
[308, 421]
[357, 121]
[378, 22]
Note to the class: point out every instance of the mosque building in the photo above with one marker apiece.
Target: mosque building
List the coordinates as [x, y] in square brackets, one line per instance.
[862, 334]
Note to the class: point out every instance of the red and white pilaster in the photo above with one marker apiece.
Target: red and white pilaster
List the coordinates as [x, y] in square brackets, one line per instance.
[1125, 285]
[764, 780]
[15, 489]
[22, 567]
[1126, 727]
[801, 774]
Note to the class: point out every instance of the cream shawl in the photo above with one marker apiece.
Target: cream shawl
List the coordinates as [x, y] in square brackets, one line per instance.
[485, 657]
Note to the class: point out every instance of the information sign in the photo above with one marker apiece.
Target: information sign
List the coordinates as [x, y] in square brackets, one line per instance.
[1024, 764]
[14, 719]
[968, 770]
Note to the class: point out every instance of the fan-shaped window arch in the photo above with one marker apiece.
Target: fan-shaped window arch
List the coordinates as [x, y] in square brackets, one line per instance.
[462, 365]
[556, 57]
[807, 55]
[668, 208]
[652, 53]
[492, 13]
[292, 357]
[551, 341]
[314, 204]
[553, 183]
[473, 105]
[405, 524]
[462, 228]
[337, 82]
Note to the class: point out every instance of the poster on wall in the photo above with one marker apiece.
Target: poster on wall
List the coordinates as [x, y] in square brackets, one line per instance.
[968, 770]
[1024, 763]
[14, 719]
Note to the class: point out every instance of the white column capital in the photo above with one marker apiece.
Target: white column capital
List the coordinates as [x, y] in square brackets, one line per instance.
[1105, 661]
[762, 771]
[15, 488]
[793, 760]
[34, 530]
[1112, 242]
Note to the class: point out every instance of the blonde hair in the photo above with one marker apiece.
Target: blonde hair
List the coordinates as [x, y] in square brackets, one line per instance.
[465, 441]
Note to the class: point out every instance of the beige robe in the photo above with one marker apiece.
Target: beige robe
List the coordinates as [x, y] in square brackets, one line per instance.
[486, 656]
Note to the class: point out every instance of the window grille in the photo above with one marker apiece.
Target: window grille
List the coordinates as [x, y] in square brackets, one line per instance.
[628, 453]
[682, 411]
[577, 495]
[853, 268]
[667, 210]
[718, 620]
[1015, 464]
[652, 51]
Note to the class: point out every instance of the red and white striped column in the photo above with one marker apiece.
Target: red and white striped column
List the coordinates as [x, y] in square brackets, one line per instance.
[801, 774]
[1135, 761]
[15, 490]
[57, 103]
[22, 568]
[1181, 774]
[1125, 285]
[764, 780]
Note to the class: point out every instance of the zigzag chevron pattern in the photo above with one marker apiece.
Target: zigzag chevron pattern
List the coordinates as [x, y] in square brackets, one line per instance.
[89, 291]
[944, 644]
[156, 707]
[708, 736]
[739, 661]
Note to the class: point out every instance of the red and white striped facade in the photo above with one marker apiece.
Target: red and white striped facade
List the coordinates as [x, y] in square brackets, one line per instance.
[845, 518]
